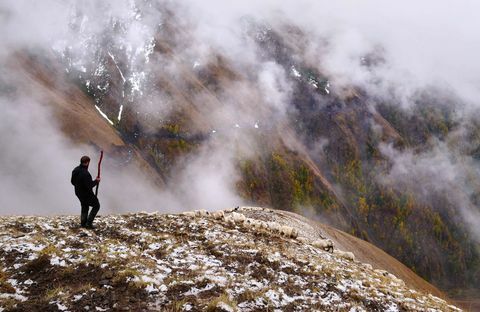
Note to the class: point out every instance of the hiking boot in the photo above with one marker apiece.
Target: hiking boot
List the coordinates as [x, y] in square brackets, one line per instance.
[90, 226]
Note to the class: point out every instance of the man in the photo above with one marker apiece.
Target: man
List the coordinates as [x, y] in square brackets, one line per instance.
[82, 180]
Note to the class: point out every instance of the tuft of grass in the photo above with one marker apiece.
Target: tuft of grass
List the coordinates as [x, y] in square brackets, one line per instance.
[212, 306]
[123, 275]
[49, 250]
[56, 293]
[177, 306]
[5, 287]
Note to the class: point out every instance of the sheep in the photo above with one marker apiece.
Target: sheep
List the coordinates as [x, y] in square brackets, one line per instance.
[391, 276]
[325, 244]
[249, 221]
[399, 281]
[255, 224]
[273, 226]
[294, 233]
[260, 225]
[288, 231]
[395, 279]
[229, 219]
[201, 213]
[189, 213]
[285, 230]
[368, 266]
[381, 272]
[246, 208]
[238, 217]
[218, 215]
[302, 239]
[345, 254]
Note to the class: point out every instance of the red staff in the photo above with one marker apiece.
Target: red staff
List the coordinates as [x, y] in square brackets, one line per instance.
[98, 175]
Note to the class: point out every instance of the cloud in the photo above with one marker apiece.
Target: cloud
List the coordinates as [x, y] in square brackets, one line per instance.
[37, 160]
[437, 173]
[423, 43]
[414, 45]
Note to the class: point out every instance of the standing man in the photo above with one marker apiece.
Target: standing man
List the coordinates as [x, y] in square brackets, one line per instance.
[82, 180]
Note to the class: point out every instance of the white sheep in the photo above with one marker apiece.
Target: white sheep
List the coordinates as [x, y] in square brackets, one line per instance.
[274, 226]
[285, 230]
[288, 231]
[229, 219]
[349, 256]
[259, 224]
[302, 239]
[201, 213]
[345, 254]
[247, 208]
[391, 276]
[238, 217]
[254, 224]
[218, 215]
[294, 233]
[189, 214]
[381, 272]
[399, 281]
[325, 244]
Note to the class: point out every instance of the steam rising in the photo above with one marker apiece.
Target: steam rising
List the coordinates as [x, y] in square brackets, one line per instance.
[391, 50]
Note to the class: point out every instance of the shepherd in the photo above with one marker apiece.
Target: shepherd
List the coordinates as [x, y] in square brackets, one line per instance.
[82, 180]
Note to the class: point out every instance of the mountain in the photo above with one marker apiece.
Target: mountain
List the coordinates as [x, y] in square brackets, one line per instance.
[275, 131]
[218, 261]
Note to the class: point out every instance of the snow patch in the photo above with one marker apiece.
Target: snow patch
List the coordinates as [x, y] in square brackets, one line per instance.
[103, 115]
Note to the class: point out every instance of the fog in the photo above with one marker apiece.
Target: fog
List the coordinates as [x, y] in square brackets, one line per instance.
[417, 45]
[439, 174]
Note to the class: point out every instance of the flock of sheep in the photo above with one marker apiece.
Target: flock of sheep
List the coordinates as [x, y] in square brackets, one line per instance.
[233, 217]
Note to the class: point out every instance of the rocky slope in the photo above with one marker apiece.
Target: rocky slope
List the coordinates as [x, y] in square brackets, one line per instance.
[230, 261]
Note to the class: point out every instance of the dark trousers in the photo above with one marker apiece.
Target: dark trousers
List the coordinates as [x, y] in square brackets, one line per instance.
[85, 218]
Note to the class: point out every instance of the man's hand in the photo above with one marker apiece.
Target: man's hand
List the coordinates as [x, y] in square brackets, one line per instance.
[97, 179]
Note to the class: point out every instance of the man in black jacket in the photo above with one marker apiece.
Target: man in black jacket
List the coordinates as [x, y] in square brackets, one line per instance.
[82, 180]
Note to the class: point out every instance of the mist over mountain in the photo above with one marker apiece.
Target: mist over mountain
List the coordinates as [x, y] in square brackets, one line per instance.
[361, 115]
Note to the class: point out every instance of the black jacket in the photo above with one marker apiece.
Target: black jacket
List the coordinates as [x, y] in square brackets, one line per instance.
[82, 180]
